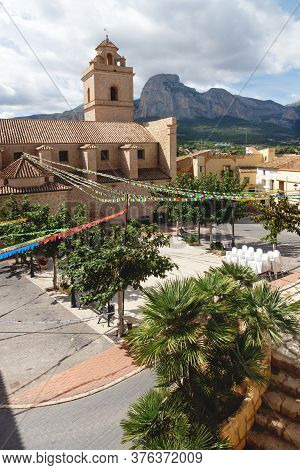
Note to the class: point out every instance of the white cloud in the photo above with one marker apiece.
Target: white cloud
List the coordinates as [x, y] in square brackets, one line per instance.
[208, 44]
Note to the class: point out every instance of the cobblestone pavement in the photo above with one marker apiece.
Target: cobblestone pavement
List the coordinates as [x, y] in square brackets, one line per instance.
[33, 345]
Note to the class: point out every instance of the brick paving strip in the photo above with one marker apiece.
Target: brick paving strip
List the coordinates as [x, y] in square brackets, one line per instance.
[88, 377]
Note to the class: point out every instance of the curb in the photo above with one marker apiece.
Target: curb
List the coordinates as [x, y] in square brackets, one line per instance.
[75, 397]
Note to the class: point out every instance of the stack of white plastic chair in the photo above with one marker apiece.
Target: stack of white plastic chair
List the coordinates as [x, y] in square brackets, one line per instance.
[259, 262]
[249, 255]
[276, 263]
[234, 255]
[266, 264]
[228, 256]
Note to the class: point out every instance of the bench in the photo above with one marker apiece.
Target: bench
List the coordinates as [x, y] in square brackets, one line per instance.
[106, 313]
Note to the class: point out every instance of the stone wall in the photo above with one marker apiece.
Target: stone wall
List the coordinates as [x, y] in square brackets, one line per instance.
[236, 428]
[164, 132]
[53, 199]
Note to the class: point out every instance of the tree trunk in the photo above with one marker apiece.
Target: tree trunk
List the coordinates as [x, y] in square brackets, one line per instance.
[31, 266]
[121, 326]
[199, 233]
[55, 284]
[232, 233]
[177, 228]
[232, 225]
[210, 233]
[73, 298]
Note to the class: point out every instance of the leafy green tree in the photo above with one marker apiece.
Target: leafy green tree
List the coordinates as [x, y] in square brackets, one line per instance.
[203, 337]
[61, 219]
[276, 216]
[101, 265]
[214, 211]
[35, 225]
[40, 221]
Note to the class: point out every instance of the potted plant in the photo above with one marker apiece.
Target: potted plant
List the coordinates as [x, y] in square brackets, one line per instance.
[206, 339]
[218, 248]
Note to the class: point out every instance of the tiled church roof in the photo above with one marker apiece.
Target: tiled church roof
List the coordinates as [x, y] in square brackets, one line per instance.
[27, 131]
[45, 188]
[23, 168]
[144, 174]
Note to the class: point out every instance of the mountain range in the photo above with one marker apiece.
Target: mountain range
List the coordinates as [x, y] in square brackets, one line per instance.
[215, 111]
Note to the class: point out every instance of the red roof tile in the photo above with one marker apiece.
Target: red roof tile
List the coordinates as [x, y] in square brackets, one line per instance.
[23, 168]
[29, 131]
[45, 188]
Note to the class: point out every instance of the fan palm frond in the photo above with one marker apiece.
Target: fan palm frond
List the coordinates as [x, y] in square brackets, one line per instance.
[267, 314]
[244, 275]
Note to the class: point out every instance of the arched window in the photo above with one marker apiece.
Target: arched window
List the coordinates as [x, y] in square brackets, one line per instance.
[109, 59]
[114, 93]
[88, 95]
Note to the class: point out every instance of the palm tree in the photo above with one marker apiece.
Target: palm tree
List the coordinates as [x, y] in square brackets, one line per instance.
[203, 337]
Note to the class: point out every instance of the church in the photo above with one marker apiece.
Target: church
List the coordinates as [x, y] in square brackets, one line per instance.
[107, 141]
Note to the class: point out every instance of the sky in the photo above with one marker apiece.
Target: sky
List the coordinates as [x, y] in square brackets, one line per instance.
[208, 43]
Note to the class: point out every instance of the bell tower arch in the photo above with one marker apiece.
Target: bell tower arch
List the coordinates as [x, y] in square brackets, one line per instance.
[108, 86]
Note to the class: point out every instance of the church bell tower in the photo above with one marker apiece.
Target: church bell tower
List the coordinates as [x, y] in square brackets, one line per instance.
[108, 86]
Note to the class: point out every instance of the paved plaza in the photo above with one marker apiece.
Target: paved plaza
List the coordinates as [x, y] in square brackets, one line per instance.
[53, 353]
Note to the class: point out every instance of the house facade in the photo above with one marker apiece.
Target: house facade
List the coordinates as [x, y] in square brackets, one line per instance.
[206, 161]
[282, 174]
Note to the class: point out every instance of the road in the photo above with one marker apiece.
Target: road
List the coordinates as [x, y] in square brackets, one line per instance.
[90, 423]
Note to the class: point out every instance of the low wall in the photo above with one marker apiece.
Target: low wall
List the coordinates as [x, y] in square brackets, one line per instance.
[237, 426]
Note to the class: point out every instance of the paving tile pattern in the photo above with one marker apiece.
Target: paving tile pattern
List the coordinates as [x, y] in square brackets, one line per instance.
[99, 370]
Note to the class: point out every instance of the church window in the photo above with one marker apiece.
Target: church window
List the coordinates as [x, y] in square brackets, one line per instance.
[114, 93]
[104, 155]
[141, 154]
[17, 155]
[63, 156]
[88, 95]
[109, 59]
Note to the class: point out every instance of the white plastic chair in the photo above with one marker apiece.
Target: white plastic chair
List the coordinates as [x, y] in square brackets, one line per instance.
[258, 256]
[228, 256]
[259, 250]
[234, 259]
[242, 261]
[250, 249]
[250, 255]
[244, 248]
[253, 265]
[234, 250]
[266, 264]
[277, 263]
